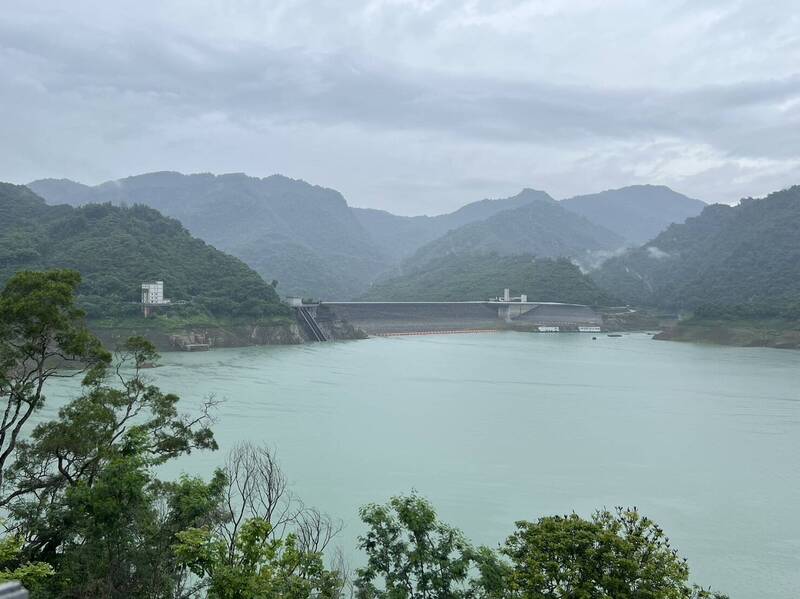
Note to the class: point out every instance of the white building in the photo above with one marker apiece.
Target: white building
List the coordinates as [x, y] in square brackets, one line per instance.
[153, 293]
[294, 302]
[508, 298]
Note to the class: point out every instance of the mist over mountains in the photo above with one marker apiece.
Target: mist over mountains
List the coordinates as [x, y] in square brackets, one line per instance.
[308, 239]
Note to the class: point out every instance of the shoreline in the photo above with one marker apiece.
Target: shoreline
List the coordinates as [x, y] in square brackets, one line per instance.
[734, 334]
[180, 339]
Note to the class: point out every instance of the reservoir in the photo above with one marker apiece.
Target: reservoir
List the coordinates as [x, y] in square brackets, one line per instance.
[498, 427]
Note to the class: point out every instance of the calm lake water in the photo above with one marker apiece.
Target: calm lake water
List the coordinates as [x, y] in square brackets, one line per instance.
[499, 427]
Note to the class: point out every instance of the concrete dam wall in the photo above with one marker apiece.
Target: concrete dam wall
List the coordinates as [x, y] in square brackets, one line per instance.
[387, 318]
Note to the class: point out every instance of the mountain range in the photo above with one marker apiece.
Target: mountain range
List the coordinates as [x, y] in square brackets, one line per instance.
[312, 243]
[301, 235]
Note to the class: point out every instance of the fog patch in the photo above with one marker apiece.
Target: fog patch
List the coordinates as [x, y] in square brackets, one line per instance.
[657, 253]
[593, 259]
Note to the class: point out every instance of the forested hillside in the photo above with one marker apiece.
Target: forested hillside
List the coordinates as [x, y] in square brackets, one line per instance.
[308, 239]
[301, 235]
[401, 236]
[483, 276]
[115, 249]
[637, 213]
[541, 227]
[727, 256]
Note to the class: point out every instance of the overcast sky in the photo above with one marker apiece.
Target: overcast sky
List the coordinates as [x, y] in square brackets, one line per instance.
[415, 106]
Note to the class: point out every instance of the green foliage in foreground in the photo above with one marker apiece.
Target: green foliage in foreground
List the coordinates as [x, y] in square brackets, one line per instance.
[613, 555]
[115, 249]
[411, 554]
[14, 567]
[255, 564]
[88, 516]
[483, 276]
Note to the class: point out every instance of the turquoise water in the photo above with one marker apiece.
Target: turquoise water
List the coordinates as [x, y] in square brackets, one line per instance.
[499, 427]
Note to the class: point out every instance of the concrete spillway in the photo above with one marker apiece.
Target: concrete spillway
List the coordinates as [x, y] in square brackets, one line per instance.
[386, 318]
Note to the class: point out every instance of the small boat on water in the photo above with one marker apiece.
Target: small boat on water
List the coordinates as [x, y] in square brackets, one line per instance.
[614, 335]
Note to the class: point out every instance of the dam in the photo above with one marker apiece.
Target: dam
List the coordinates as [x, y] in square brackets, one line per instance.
[397, 318]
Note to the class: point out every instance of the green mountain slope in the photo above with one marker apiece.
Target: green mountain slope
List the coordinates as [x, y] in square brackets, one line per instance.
[747, 254]
[115, 249]
[541, 227]
[479, 277]
[637, 213]
[302, 235]
[401, 236]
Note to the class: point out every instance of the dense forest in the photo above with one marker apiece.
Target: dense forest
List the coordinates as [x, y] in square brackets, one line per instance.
[117, 248]
[741, 259]
[482, 276]
[87, 514]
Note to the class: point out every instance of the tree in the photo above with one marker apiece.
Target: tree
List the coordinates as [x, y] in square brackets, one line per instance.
[256, 564]
[411, 554]
[116, 535]
[104, 423]
[85, 496]
[267, 544]
[619, 555]
[42, 333]
[13, 566]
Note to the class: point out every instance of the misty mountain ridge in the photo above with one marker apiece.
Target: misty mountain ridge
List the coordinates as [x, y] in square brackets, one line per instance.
[401, 236]
[308, 239]
[302, 235]
[636, 213]
[541, 227]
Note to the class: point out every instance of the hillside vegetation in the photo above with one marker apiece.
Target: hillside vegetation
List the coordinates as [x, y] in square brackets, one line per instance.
[301, 235]
[115, 249]
[483, 276]
[308, 239]
[745, 256]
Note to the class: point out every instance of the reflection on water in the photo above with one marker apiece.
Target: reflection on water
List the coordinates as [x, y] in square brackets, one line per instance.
[499, 427]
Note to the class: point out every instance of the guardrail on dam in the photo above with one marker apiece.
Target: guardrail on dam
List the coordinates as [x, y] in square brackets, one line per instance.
[387, 318]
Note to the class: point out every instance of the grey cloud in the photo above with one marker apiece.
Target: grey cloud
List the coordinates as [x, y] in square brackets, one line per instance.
[254, 82]
[163, 89]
